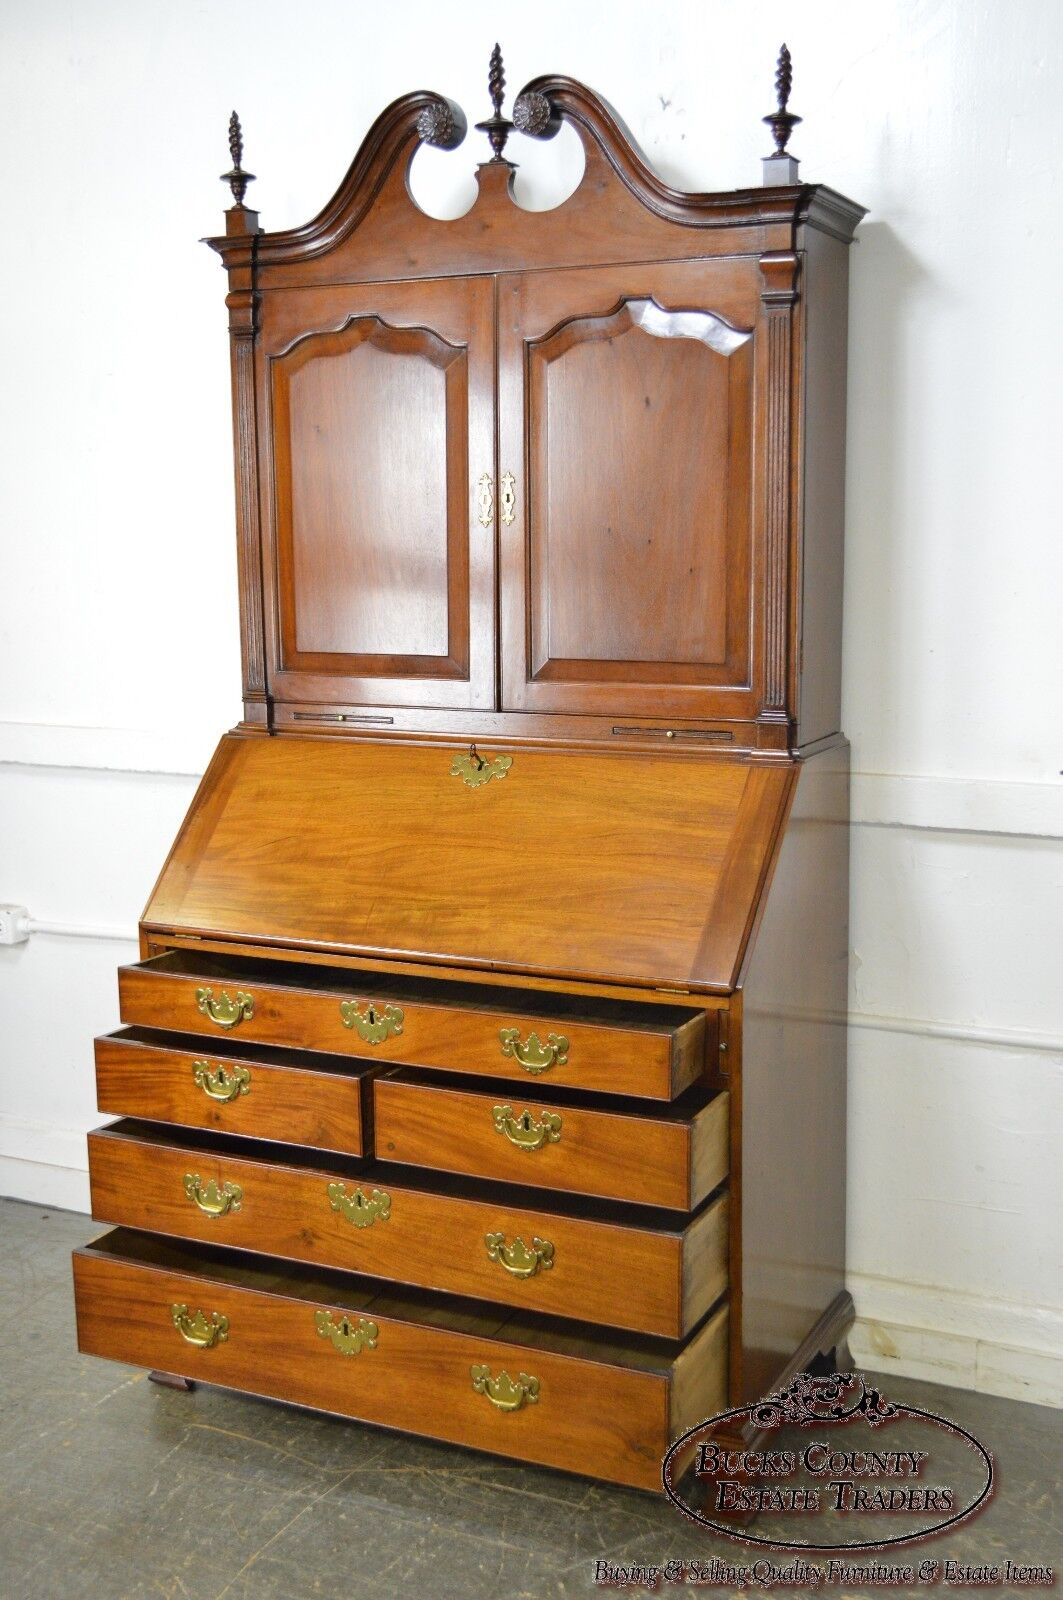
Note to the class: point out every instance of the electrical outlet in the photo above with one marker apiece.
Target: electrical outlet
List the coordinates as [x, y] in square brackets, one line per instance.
[14, 924]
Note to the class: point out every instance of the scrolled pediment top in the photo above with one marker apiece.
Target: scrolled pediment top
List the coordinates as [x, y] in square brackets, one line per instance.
[420, 117]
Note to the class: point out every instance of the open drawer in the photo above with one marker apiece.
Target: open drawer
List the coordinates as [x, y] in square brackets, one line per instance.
[630, 1267]
[513, 1384]
[620, 1047]
[262, 1093]
[672, 1156]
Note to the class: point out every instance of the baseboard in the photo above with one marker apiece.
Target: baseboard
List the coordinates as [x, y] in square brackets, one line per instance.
[41, 1184]
[922, 1331]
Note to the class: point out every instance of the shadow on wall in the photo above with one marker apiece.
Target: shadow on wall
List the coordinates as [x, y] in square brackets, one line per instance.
[887, 459]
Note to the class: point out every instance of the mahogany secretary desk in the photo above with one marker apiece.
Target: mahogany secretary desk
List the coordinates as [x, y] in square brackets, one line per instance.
[483, 1075]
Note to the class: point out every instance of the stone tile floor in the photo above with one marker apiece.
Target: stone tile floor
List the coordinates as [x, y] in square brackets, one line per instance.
[115, 1489]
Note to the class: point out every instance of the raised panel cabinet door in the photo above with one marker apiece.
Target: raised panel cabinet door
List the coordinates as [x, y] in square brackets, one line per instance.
[377, 426]
[628, 536]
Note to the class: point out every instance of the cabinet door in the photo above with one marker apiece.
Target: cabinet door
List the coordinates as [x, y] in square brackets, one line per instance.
[626, 420]
[376, 413]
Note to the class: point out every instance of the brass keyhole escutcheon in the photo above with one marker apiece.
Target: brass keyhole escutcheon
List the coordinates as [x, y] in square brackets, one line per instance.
[221, 1083]
[371, 1022]
[360, 1209]
[348, 1335]
[475, 770]
[525, 1130]
[509, 498]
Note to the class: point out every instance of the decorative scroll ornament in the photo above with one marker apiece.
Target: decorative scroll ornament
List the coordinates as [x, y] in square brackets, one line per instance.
[517, 1258]
[225, 1011]
[475, 771]
[782, 122]
[346, 1335]
[371, 1023]
[236, 177]
[200, 1329]
[834, 1398]
[497, 127]
[359, 1209]
[221, 1083]
[534, 1056]
[524, 1130]
[502, 1391]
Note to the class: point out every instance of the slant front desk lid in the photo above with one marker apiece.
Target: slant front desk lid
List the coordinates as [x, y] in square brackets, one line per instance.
[616, 867]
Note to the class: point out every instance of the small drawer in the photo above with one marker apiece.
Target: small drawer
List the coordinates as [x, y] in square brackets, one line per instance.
[632, 1049]
[641, 1270]
[264, 1093]
[512, 1384]
[670, 1156]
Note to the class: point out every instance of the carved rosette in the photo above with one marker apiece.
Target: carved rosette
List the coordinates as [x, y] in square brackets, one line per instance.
[442, 124]
[534, 115]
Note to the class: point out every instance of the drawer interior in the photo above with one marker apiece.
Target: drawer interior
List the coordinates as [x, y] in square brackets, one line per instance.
[683, 1109]
[213, 1268]
[533, 1003]
[240, 1050]
[384, 1174]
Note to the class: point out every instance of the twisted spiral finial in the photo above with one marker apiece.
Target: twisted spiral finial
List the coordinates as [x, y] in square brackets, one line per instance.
[781, 121]
[496, 79]
[497, 127]
[236, 177]
[784, 78]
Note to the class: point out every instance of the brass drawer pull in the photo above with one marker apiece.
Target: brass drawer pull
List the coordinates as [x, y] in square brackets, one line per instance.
[370, 1023]
[509, 498]
[485, 499]
[212, 1200]
[502, 1391]
[200, 1330]
[524, 1131]
[225, 1011]
[221, 1083]
[357, 1208]
[475, 770]
[534, 1056]
[350, 1338]
[517, 1258]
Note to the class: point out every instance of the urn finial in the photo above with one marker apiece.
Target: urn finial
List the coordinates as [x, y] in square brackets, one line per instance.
[781, 166]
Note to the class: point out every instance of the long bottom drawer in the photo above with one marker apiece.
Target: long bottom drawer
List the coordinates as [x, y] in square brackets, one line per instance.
[515, 1385]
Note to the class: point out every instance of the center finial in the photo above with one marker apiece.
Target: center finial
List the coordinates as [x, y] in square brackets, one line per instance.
[497, 127]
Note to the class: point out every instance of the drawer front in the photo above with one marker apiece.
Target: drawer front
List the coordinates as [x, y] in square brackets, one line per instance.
[655, 1061]
[233, 1094]
[648, 1280]
[655, 1161]
[586, 1415]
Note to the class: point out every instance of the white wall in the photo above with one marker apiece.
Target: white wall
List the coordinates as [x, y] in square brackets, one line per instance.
[117, 583]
